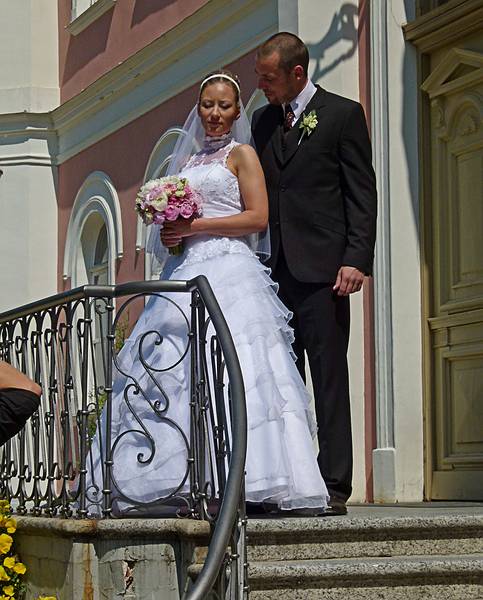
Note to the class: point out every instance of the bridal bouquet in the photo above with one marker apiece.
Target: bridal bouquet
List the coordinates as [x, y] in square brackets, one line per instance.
[167, 199]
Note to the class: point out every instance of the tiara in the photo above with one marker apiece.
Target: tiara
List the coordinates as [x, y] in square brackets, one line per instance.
[223, 76]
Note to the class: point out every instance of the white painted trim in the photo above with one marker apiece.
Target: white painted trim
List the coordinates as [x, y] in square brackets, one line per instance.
[382, 270]
[96, 195]
[384, 474]
[288, 16]
[89, 15]
[38, 160]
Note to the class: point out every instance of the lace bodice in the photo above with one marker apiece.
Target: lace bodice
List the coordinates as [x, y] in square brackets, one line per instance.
[207, 173]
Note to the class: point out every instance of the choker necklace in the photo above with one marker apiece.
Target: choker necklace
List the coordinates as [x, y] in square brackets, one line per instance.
[212, 144]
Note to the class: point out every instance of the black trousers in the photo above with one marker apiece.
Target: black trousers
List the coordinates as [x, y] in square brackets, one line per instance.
[16, 406]
[321, 322]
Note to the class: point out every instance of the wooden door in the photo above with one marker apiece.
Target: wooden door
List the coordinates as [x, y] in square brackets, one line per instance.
[455, 267]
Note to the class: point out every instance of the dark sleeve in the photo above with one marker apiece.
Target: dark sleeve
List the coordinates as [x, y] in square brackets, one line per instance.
[359, 189]
[16, 406]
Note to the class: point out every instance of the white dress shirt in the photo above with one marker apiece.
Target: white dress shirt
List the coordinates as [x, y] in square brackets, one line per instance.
[299, 103]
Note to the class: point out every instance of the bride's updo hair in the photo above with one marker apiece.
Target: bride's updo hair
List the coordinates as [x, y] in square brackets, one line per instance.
[222, 76]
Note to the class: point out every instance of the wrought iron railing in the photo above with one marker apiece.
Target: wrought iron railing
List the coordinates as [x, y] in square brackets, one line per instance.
[68, 460]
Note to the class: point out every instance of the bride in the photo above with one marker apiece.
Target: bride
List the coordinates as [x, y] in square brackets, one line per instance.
[281, 465]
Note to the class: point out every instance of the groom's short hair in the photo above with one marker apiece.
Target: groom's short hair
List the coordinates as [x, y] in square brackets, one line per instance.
[290, 48]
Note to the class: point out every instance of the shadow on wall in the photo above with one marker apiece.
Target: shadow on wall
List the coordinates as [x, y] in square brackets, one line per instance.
[410, 117]
[342, 27]
[144, 8]
[79, 53]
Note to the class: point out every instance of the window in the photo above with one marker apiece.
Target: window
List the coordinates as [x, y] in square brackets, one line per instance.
[94, 251]
[94, 235]
[85, 12]
[92, 265]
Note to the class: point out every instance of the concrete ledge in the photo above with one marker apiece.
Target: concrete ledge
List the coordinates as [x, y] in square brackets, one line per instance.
[139, 559]
[372, 534]
[197, 531]
[404, 592]
[367, 573]
[334, 528]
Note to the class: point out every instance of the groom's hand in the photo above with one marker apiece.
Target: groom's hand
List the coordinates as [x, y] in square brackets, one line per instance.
[349, 280]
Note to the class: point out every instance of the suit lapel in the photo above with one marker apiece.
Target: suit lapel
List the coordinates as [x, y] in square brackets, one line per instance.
[293, 136]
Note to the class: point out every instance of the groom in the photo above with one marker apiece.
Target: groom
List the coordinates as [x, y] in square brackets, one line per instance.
[316, 155]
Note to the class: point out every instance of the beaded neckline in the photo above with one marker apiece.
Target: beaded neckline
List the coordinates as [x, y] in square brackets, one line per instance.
[212, 144]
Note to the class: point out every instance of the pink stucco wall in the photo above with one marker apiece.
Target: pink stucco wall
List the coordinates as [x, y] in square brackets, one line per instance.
[123, 30]
[123, 156]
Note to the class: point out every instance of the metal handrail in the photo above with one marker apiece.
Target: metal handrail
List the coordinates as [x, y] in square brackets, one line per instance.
[229, 511]
[231, 498]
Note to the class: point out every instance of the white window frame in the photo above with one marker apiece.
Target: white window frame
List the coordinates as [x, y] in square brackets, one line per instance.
[96, 195]
[83, 15]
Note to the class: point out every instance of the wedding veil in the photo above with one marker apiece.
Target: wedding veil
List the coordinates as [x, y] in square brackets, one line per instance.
[189, 142]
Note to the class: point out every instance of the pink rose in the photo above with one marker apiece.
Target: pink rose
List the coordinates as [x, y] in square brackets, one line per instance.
[171, 213]
[186, 210]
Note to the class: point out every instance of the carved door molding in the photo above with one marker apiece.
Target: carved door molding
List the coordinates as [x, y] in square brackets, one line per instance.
[453, 226]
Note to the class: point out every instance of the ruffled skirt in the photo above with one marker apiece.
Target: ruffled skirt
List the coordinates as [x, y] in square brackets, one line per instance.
[151, 439]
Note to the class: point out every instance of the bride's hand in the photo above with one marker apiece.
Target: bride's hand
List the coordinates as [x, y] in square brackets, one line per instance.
[173, 232]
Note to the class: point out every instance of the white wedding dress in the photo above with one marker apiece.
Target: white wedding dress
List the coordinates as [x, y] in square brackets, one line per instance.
[281, 465]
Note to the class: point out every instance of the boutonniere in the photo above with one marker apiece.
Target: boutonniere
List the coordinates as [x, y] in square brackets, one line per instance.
[308, 124]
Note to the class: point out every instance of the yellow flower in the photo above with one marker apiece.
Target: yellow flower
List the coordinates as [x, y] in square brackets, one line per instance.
[8, 590]
[20, 568]
[2, 597]
[11, 525]
[9, 562]
[3, 575]
[5, 543]
[45, 598]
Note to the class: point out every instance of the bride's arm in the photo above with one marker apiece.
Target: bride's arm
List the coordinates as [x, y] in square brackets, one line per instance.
[243, 162]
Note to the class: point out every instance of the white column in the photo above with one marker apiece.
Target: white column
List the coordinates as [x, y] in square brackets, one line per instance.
[288, 16]
[398, 458]
[29, 89]
[384, 454]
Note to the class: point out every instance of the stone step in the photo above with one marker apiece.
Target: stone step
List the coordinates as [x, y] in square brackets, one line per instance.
[395, 578]
[350, 537]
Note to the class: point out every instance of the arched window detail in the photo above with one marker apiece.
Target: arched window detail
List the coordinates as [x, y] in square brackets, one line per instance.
[94, 234]
[156, 167]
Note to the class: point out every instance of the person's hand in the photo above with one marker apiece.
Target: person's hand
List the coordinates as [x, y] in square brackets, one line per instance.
[349, 280]
[173, 232]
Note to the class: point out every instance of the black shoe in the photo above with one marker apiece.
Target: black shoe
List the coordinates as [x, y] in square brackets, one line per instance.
[260, 509]
[303, 512]
[336, 506]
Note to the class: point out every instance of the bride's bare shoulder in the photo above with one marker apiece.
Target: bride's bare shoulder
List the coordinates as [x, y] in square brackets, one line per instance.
[243, 153]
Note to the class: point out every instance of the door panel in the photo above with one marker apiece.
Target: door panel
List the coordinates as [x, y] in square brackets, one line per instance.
[456, 317]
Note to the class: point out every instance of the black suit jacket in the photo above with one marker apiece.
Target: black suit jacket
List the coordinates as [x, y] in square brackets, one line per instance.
[322, 192]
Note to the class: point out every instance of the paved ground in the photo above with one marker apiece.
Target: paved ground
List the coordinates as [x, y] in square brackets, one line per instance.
[417, 509]
[394, 511]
